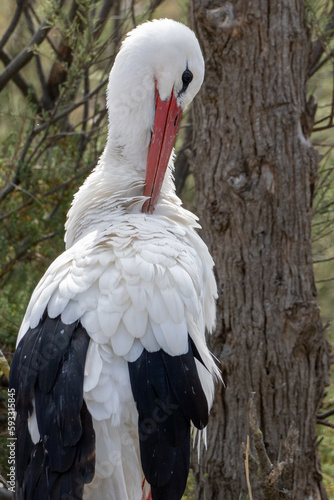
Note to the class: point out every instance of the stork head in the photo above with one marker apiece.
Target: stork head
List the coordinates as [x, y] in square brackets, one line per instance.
[156, 74]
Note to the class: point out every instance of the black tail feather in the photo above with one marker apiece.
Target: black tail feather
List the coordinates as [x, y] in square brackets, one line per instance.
[168, 394]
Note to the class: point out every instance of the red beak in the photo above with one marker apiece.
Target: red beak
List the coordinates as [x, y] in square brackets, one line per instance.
[166, 124]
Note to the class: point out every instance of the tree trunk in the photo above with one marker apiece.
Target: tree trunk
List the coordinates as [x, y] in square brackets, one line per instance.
[255, 170]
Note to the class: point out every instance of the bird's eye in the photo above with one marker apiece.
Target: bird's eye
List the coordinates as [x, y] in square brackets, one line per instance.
[187, 76]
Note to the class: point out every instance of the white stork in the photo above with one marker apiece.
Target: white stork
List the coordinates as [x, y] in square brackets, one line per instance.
[111, 365]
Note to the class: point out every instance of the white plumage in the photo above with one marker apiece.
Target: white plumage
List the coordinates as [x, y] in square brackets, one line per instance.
[134, 281]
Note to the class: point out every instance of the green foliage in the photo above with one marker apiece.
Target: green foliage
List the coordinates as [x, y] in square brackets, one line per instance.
[321, 84]
[48, 152]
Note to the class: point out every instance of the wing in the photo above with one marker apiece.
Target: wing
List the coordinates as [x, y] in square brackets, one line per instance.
[169, 395]
[47, 374]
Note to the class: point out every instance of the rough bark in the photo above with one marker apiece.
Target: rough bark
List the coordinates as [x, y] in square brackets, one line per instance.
[255, 171]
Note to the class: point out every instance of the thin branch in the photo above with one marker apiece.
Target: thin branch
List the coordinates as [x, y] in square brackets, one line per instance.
[83, 139]
[321, 120]
[322, 223]
[325, 280]
[118, 22]
[133, 15]
[32, 196]
[11, 28]
[154, 5]
[322, 209]
[59, 70]
[71, 108]
[51, 191]
[327, 414]
[324, 422]
[330, 117]
[321, 129]
[15, 180]
[12, 184]
[24, 57]
[26, 89]
[321, 63]
[48, 39]
[79, 174]
[40, 71]
[318, 46]
[16, 209]
[322, 235]
[103, 18]
[101, 115]
[25, 246]
[323, 260]
[320, 196]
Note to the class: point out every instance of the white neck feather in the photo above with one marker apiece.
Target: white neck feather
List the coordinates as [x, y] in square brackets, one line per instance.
[116, 185]
[113, 190]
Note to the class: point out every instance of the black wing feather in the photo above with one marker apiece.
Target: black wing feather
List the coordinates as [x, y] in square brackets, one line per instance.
[48, 365]
[168, 394]
[185, 383]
